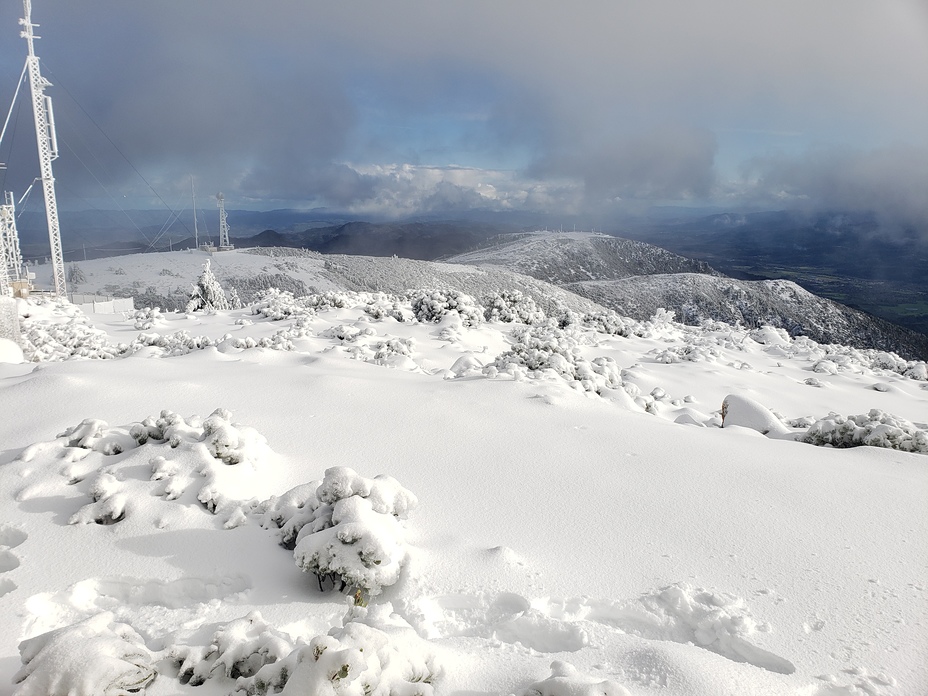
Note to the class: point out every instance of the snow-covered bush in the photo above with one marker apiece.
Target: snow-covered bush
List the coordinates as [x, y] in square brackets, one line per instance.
[290, 512]
[540, 348]
[566, 680]
[279, 304]
[358, 659]
[145, 318]
[512, 306]
[62, 332]
[355, 537]
[608, 322]
[239, 648]
[95, 657]
[207, 294]
[382, 306]
[429, 306]
[174, 344]
[876, 429]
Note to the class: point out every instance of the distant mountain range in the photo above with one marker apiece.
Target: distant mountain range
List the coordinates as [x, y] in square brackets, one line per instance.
[851, 257]
[841, 256]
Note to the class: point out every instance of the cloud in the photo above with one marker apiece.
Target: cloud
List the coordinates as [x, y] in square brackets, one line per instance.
[663, 163]
[890, 181]
[559, 107]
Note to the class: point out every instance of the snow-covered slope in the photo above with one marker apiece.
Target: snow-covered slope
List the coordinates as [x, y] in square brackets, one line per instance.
[781, 303]
[567, 257]
[635, 278]
[164, 279]
[566, 514]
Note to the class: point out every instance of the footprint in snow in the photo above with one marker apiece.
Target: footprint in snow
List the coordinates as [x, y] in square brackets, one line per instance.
[10, 538]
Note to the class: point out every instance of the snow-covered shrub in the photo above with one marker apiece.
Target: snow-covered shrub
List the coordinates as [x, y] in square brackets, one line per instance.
[109, 502]
[232, 443]
[207, 294]
[566, 680]
[355, 536]
[174, 344]
[608, 322]
[279, 304]
[238, 649]
[358, 659]
[512, 306]
[95, 657]
[66, 334]
[876, 429]
[145, 318]
[290, 512]
[917, 370]
[382, 305]
[347, 333]
[430, 306]
[394, 352]
[540, 348]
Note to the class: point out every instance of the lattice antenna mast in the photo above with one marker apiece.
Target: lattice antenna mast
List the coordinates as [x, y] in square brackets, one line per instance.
[11, 259]
[48, 146]
[223, 224]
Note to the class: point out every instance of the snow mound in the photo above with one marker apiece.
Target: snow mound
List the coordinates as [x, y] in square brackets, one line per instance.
[95, 657]
[747, 413]
[566, 680]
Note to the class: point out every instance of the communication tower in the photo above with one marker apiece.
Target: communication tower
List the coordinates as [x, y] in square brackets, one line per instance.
[224, 244]
[47, 142]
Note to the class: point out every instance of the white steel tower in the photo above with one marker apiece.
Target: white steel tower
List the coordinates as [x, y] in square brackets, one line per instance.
[48, 147]
[224, 244]
[11, 260]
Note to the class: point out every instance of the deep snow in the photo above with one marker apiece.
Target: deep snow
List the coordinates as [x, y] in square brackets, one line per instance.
[569, 537]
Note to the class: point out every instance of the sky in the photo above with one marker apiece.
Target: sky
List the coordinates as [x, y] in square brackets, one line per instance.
[593, 109]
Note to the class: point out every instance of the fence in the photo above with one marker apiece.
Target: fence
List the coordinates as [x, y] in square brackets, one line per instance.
[102, 305]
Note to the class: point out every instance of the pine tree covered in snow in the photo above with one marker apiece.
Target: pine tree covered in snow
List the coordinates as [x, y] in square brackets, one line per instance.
[207, 293]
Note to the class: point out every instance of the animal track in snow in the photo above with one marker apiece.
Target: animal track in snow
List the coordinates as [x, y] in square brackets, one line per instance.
[10, 538]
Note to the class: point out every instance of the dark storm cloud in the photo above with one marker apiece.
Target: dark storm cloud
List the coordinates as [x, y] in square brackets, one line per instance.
[289, 102]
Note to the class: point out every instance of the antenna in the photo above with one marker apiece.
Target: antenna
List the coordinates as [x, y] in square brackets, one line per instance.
[224, 244]
[47, 142]
[196, 235]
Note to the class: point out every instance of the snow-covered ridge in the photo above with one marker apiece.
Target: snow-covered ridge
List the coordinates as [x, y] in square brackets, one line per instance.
[781, 303]
[567, 257]
[635, 279]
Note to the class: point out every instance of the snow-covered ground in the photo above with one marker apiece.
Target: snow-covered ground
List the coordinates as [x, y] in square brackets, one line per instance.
[560, 512]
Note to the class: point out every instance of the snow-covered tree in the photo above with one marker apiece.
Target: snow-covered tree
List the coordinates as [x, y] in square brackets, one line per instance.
[76, 275]
[207, 293]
